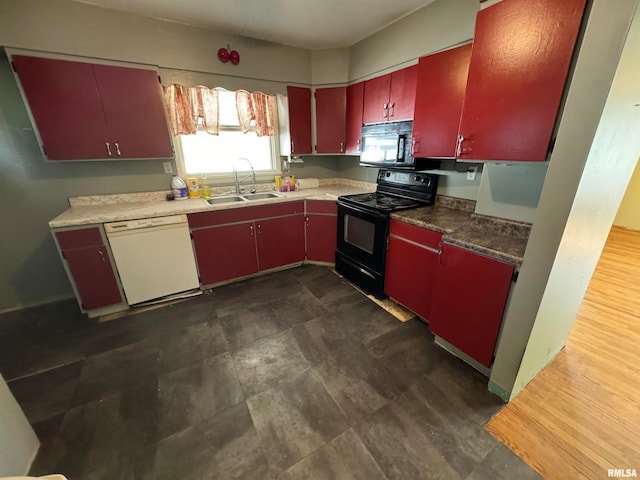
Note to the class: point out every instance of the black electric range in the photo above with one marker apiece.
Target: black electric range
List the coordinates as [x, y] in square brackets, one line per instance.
[363, 224]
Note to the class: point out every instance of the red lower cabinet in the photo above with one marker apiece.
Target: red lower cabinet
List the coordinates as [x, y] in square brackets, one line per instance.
[412, 256]
[239, 242]
[321, 225]
[468, 301]
[89, 266]
[280, 241]
[225, 252]
[321, 233]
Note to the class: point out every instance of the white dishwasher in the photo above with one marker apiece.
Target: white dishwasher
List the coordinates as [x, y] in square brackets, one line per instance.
[154, 257]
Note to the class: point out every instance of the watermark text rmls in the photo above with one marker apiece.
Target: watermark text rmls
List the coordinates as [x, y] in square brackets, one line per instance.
[622, 473]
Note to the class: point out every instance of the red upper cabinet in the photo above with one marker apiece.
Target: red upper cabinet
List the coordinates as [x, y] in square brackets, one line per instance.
[65, 106]
[402, 95]
[88, 111]
[355, 105]
[300, 119]
[376, 99]
[442, 79]
[132, 103]
[331, 111]
[519, 64]
[391, 97]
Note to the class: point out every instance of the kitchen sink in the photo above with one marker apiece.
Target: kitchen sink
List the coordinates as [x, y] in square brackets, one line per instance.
[228, 199]
[261, 196]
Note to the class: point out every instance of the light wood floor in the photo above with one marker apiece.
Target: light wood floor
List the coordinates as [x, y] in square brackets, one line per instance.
[581, 415]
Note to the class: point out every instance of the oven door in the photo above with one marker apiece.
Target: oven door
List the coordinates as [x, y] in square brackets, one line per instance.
[362, 236]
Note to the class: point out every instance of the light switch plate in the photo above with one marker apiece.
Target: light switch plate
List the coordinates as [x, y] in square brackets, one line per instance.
[471, 173]
[168, 168]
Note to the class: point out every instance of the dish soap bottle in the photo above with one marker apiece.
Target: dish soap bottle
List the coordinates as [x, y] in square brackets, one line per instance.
[178, 188]
[205, 191]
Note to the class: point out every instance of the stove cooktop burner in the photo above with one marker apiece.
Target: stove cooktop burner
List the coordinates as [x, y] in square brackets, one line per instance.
[381, 201]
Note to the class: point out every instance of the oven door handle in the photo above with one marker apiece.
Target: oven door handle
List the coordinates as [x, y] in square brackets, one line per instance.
[353, 208]
[362, 270]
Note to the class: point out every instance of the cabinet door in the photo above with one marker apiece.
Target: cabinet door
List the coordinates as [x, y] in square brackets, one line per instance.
[65, 106]
[519, 63]
[402, 94]
[442, 78]
[93, 276]
[469, 298]
[225, 252]
[132, 102]
[280, 241]
[355, 104]
[376, 99]
[321, 237]
[300, 119]
[331, 105]
[411, 266]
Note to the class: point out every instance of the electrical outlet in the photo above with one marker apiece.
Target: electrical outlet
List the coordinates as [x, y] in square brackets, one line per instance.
[168, 168]
[471, 173]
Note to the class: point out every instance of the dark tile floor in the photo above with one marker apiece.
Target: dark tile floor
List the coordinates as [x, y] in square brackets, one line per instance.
[292, 375]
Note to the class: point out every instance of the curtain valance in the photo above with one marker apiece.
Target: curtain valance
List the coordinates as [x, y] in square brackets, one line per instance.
[186, 105]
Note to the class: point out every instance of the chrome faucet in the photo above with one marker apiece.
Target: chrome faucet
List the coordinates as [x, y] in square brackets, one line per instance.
[235, 174]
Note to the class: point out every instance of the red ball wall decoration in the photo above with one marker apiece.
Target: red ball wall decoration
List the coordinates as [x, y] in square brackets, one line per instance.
[226, 54]
[223, 55]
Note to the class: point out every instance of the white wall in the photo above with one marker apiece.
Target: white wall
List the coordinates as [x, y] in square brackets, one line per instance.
[330, 66]
[18, 442]
[628, 215]
[574, 215]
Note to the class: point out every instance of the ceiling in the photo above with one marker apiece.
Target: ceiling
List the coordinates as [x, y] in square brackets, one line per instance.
[309, 24]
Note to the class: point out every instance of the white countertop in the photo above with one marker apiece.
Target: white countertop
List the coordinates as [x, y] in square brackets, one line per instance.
[94, 210]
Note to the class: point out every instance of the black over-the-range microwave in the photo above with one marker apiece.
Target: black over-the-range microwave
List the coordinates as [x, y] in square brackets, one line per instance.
[388, 145]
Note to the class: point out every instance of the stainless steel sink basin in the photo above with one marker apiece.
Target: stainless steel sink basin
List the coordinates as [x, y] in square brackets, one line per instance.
[261, 196]
[227, 199]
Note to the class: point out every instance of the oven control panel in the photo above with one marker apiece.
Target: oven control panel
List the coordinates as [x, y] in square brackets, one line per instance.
[404, 178]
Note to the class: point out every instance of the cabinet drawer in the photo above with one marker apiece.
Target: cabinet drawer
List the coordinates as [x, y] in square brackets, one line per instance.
[420, 235]
[85, 237]
[322, 206]
[244, 214]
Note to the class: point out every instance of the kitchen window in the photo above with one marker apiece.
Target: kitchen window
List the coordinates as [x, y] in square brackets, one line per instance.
[215, 155]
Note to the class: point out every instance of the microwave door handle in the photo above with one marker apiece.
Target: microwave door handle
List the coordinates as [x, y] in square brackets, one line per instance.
[401, 143]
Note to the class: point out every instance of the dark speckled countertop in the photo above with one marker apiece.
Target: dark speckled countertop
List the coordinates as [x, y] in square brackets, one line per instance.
[497, 238]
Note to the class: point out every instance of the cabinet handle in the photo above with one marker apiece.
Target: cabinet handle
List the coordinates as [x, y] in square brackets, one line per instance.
[108, 148]
[385, 110]
[118, 148]
[306, 221]
[259, 232]
[415, 145]
[251, 229]
[358, 145]
[101, 256]
[459, 146]
[341, 147]
[293, 147]
[392, 107]
[440, 253]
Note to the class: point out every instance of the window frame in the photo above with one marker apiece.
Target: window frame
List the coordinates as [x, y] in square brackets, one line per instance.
[223, 178]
